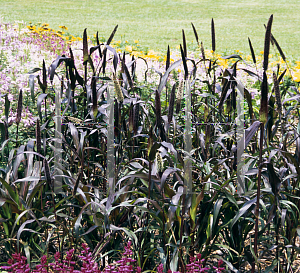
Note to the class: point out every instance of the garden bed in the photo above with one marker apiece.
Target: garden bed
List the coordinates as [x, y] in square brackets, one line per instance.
[147, 149]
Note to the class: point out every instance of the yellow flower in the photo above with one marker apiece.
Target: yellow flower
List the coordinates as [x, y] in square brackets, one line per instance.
[296, 76]
[117, 42]
[165, 59]
[262, 52]
[63, 27]
[128, 48]
[152, 55]
[136, 41]
[223, 62]
[208, 53]
[298, 65]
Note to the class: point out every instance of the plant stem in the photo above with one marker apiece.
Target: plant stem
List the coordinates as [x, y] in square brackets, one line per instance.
[258, 191]
[149, 189]
[181, 232]
[17, 135]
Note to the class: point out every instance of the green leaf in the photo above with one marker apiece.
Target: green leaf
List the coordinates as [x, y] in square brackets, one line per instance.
[174, 261]
[89, 230]
[129, 233]
[164, 78]
[195, 203]
[56, 64]
[34, 70]
[271, 267]
[10, 190]
[27, 252]
[243, 210]
[116, 58]
[217, 208]
[20, 231]
[232, 56]
[41, 97]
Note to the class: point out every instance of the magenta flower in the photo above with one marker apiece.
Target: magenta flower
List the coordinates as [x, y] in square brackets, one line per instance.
[160, 268]
[195, 265]
[219, 269]
[18, 264]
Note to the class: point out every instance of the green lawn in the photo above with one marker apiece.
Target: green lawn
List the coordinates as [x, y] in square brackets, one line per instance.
[157, 23]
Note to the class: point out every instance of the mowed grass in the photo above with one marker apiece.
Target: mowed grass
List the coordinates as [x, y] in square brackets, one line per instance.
[159, 23]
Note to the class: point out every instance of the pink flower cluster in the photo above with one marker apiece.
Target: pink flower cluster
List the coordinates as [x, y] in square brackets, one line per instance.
[18, 264]
[125, 264]
[195, 265]
[219, 269]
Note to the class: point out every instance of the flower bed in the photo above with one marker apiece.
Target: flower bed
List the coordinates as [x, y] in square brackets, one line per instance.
[176, 119]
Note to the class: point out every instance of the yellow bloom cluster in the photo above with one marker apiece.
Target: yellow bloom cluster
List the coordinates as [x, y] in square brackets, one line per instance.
[44, 29]
[296, 72]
